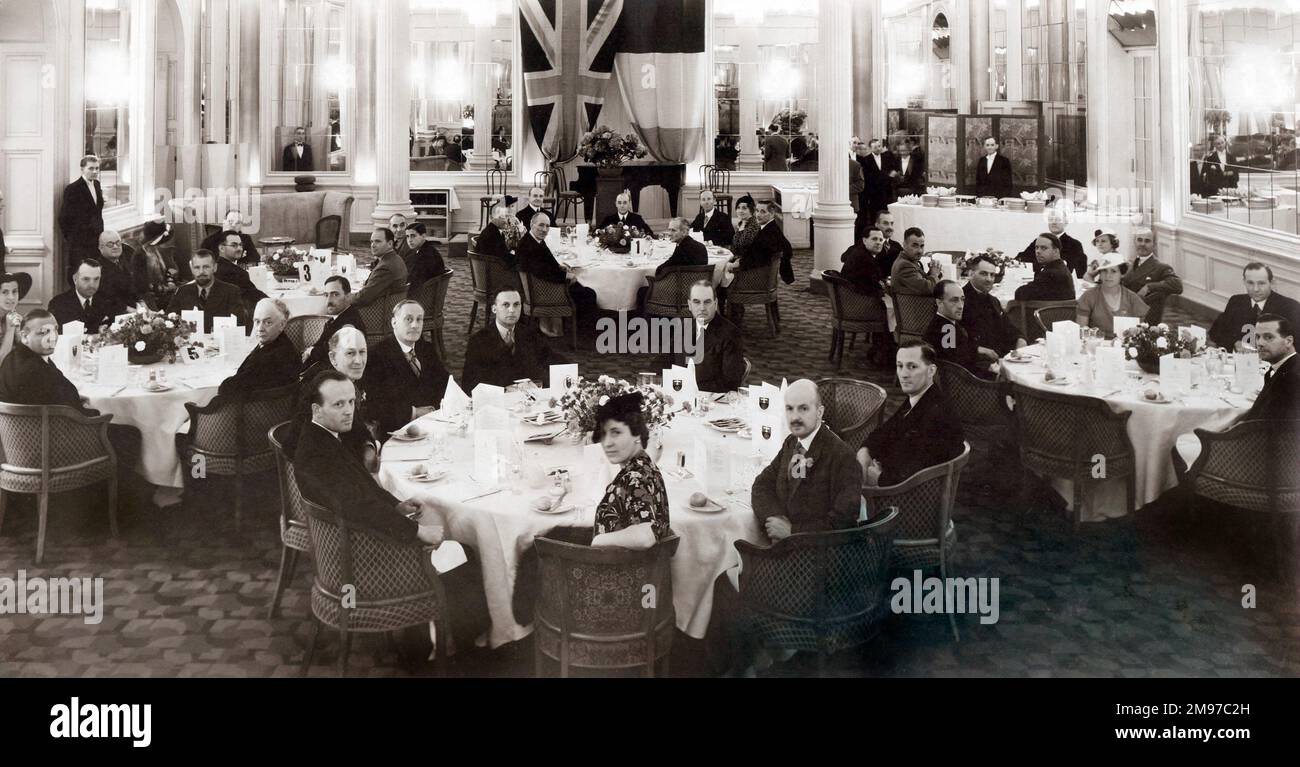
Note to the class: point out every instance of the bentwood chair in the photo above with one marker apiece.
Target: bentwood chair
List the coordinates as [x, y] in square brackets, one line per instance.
[817, 592]
[567, 201]
[591, 610]
[294, 538]
[853, 408]
[550, 299]
[549, 183]
[377, 315]
[926, 534]
[720, 185]
[432, 296]
[1047, 315]
[367, 584]
[758, 286]
[1022, 311]
[669, 294]
[328, 229]
[229, 434]
[912, 315]
[305, 330]
[52, 449]
[495, 192]
[1062, 435]
[851, 313]
[488, 274]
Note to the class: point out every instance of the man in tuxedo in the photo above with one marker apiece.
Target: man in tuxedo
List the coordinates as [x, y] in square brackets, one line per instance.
[717, 228]
[397, 223]
[1052, 281]
[387, 274]
[81, 215]
[1071, 249]
[993, 172]
[813, 484]
[892, 248]
[404, 378]
[907, 276]
[84, 303]
[1236, 326]
[234, 222]
[983, 317]
[535, 258]
[718, 348]
[860, 264]
[505, 351]
[424, 262]
[623, 216]
[1280, 398]
[536, 196]
[1218, 172]
[687, 253]
[911, 171]
[229, 251]
[340, 314]
[296, 157]
[1151, 279]
[274, 362]
[491, 241]
[879, 169]
[208, 294]
[115, 284]
[948, 337]
[923, 432]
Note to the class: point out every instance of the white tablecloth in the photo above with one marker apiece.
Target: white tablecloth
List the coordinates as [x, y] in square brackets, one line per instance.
[972, 228]
[501, 527]
[1153, 429]
[1004, 291]
[616, 277]
[797, 204]
[299, 300]
[158, 415]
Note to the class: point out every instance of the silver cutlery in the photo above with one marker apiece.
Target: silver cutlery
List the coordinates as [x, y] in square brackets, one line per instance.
[483, 495]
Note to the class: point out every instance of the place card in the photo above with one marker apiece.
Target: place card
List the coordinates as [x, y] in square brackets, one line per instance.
[64, 346]
[232, 341]
[1175, 376]
[767, 418]
[697, 236]
[1109, 368]
[679, 384]
[489, 444]
[346, 264]
[582, 231]
[563, 378]
[220, 323]
[1198, 334]
[1247, 376]
[75, 328]
[193, 315]
[112, 365]
[1066, 329]
[487, 395]
[1122, 324]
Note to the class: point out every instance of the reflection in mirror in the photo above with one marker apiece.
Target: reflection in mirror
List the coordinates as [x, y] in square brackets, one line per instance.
[311, 72]
[941, 38]
[107, 97]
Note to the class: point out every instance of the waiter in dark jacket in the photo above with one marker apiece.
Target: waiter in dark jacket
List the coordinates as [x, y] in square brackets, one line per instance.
[1053, 281]
[879, 169]
[993, 177]
[404, 376]
[715, 226]
[81, 215]
[275, 361]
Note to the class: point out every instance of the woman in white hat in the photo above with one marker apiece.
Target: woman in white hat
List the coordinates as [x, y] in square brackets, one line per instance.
[1099, 306]
[1105, 241]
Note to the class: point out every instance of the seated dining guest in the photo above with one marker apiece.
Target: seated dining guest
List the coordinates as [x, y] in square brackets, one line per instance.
[717, 347]
[340, 315]
[813, 483]
[234, 222]
[1105, 241]
[983, 316]
[860, 264]
[536, 199]
[715, 226]
[623, 215]
[506, 351]
[1237, 322]
[404, 378]
[13, 288]
[491, 241]
[229, 251]
[535, 258]
[208, 294]
[908, 276]
[1279, 400]
[274, 362]
[347, 353]
[746, 228]
[85, 303]
[424, 261]
[1100, 305]
[1052, 282]
[397, 225]
[687, 253]
[771, 242]
[1153, 280]
[892, 248]
[949, 338]
[386, 276]
[923, 432]
[116, 284]
[1071, 249]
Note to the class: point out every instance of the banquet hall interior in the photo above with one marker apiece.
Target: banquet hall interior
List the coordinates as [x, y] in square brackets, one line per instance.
[1121, 497]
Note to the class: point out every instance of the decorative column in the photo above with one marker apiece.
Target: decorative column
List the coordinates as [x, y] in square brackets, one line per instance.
[749, 158]
[879, 88]
[980, 60]
[362, 158]
[833, 217]
[248, 137]
[140, 164]
[392, 110]
[484, 97]
[960, 65]
[1099, 112]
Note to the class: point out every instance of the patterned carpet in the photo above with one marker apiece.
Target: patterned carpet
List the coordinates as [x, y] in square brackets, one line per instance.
[1158, 593]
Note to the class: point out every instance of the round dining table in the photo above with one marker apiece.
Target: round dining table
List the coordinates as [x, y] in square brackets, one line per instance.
[616, 277]
[1153, 428]
[498, 520]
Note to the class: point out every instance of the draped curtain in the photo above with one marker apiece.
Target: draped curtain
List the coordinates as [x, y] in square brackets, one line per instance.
[444, 80]
[297, 71]
[661, 68]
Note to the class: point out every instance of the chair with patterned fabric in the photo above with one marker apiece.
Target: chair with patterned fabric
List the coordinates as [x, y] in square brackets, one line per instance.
[758, 286]
[377, 315]
[926, 533]
[293, 517]
[1044, 316]
[1022, 313]
[549, 299]
[911, 315]
[52, 449]
[853, 407]
[1062, 435]
[328, 229]
[817, 592]
[980, 405]
[590, 612]
[304, 330]
[669, 294]
[229, 435]
[488, 274]
[432, 296]
[366, 584]
[852, 313]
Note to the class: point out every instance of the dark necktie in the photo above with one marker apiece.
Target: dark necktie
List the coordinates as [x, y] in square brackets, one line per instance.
[203, 298]
[415, 362]
[906, 409]
[796, 459]
[1255, 309]
[1268, 376]
[510, 339]
[85, 306]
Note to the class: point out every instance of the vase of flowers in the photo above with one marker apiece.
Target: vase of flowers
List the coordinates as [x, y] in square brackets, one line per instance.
[617, 238]
[283, 262]
[579, 404]
[605, 148]
[149, 336]
[1146, 344]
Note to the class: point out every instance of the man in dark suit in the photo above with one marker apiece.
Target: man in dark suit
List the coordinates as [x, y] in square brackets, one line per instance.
[535, 258]
[770, 243]
[892, 248]
[859, 264]
[857, 182]
[1153, 280]
[404, 377]
[397, 223]
[908, 276]
[776, 150]
[911, 171]
[717, 228]
[1052, 282]
[229, 251]
[948, 337]
[924, 432]
[84, 303]
[623, 216]
[993, 176]
[346, 353]
[505, 351]
[536, 198]
[813, 484]
[296, 157]
[28, 375]
[879, 169]
[1237, 323]
[687, 253]
[208, 294]
[1218, 171]
[424, 262]
[81, 214]
[1280, 398]
[234, 222]
[491, 241]
[388, 273]
[1071, 249]
[340, 314]
[274, 362]
[717, 348]
[116, 283]
[983, 316]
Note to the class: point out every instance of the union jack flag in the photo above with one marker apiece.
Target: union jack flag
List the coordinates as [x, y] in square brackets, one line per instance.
[568, 51]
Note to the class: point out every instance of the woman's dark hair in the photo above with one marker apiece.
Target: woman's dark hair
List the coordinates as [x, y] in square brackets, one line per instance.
[748, 200]
[626, 409]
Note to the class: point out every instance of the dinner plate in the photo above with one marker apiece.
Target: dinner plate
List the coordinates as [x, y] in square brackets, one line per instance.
[1057, 382]
[726, 425]
[711, 508]
[158, 388]
[402, 436]
[1162, 401]
[431, 477]
[546, 436]
[563, 508]
[1018, 360]
[548, 417]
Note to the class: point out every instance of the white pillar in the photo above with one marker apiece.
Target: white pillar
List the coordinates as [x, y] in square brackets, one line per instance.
[749, 158]
[248, 136]
[362, 160]
[1099, 106]
[980, 60]
[484, 99]
[960, 60]
[143, 43]
[1171, 149]
[879, 88]
[833, 216]
[1016, 47]
[217, 43]
[392, 110]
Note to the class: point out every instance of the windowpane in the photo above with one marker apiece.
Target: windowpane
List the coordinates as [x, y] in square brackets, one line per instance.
[311, 72]
[108, 97]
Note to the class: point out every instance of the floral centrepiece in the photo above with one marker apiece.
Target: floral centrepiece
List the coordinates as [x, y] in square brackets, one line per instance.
[579, 403]
[1000, 259]
[618, 237]
[148, 333]
[605, 148]
[283, 262]
[1148, 343]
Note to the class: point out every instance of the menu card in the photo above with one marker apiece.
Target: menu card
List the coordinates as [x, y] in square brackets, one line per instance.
[563, 378]
[767, 418]
[346, 264]
[63, 348]
[697, 236]
[679, 384]
[490, 407]
[1175, 376]
[232, 340]
[454, 400]
[489, 445]
[1247, 377]
[76, 329]
[1066, 329]
[1109, 367]
[582, 230]
[112, 365]
[259, 275]
[1198, 334]
[1122, 324]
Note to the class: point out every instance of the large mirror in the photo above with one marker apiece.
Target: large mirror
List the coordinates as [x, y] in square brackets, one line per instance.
[108, 96]
[941, 38]
[311, 73]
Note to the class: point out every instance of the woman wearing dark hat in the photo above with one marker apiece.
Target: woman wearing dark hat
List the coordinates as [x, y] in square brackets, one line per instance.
[153, 272]
[13, 288]
[746, 226]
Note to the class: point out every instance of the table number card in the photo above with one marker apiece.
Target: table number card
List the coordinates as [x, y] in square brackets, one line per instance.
[563, 378]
